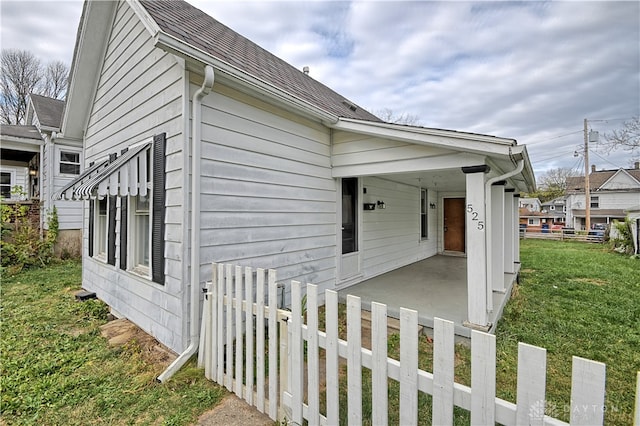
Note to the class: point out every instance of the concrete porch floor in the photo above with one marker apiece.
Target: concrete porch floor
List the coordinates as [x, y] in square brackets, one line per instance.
[435, 287]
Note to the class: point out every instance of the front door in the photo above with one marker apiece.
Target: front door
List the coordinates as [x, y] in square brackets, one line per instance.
[350, 262]
[454, 224]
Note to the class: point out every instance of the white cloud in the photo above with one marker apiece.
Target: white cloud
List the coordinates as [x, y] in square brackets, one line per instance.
[525, 70]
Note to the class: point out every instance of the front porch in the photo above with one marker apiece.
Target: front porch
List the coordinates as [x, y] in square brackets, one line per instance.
[435, 287]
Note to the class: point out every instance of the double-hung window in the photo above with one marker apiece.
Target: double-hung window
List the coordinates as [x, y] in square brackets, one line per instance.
[69, 163]
[5, 184]
[140, 241]
[595, 202]
[100, 228]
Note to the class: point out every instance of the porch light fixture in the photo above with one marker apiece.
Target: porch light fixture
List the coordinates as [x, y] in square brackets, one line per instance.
[381, 205]
[432, 205]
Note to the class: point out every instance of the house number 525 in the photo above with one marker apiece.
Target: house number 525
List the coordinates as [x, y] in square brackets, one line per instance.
[474, 217]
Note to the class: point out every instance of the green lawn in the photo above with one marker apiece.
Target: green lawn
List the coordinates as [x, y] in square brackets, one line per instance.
[573, 299]
[56, 368]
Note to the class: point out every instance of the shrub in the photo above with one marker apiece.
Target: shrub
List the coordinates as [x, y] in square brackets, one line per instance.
[623, 240]
[21, 243]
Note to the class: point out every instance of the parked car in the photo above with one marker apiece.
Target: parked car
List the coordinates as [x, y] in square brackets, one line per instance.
[598, 231]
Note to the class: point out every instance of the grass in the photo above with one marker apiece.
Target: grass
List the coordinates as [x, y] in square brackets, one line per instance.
[57, 369]
[573, 299]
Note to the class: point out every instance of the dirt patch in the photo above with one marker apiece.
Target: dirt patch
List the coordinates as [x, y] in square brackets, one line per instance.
[233, 411]
[122, 332]
[592, 281]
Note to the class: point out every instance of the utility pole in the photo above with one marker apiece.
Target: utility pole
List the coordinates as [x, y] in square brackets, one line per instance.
[587, 189]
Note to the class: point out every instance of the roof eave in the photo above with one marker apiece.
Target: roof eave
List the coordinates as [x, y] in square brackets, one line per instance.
[177, 47]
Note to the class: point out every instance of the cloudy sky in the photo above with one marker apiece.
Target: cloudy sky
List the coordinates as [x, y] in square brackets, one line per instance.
[529, 70]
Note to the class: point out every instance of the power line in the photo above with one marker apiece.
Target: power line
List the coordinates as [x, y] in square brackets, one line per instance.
[605, 160]
[554, 137]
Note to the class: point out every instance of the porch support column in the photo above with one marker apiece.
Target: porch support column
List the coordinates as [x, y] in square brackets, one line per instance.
[476, 247]
[516, 239]
[511, 226]
[496, 237]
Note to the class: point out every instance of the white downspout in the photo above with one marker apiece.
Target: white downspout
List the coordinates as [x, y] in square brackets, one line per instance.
[196, 132]
[488, 239]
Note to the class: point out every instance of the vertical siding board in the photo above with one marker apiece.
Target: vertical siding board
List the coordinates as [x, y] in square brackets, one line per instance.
[239, 333]
[331, 320]
[248, 275]
[313, 362]
[229, 324]
[354, 360]
[443, 371]
[379, 388]
[587, 392]
[408, 366]
[260, 349]
[296, 350]
[273, 344]
[532, 373]
[483, 378]
[220, 323]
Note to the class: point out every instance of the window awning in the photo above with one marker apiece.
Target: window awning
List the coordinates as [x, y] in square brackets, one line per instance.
[126, 175]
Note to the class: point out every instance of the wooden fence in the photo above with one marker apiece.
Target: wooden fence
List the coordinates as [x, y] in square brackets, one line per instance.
[561, 236]
[258, 351]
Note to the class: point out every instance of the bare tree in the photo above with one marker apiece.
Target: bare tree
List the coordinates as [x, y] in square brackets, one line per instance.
[627, 138]
[22, 74]
[553, 183]
[55, 81]
[390, 116]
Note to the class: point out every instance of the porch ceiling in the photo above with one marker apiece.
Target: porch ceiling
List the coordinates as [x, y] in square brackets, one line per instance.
[446, 180]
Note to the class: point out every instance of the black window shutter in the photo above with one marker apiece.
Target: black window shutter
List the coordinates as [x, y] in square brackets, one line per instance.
[92, 204]
[158, 194]
[111, 246]
[123, 232]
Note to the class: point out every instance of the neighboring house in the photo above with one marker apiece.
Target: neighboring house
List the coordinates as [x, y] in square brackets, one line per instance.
[633, 216]
[39, 160]
[612, 192]
[531, 204]
[556, 210]
[200, 146]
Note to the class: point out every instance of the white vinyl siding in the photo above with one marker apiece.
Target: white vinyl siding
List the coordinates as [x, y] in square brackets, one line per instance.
[391, 237]
[140, 94]
[268, 198]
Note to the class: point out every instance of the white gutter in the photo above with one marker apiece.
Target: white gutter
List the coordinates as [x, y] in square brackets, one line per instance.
[196, 136]
[488, 239]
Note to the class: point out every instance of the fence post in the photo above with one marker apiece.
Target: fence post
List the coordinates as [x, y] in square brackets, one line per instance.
[297, 355]
[273, 345]
[313, 362]
[531, 376]
[379, 381]
[331, 321]
[354, 361]
[408, 366]
[248, 335]
[483, 378]
[229, 317]
[239, 334]
[284, 377]
[636, 420]
[260, 348]
[587, 392]
[443, 371]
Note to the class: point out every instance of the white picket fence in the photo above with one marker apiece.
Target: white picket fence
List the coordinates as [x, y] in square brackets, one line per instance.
[239, 328]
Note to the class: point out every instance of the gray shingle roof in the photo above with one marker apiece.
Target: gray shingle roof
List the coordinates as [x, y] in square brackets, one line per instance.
[596, 180]
[194, 27]
[20, 131]
[48, 110]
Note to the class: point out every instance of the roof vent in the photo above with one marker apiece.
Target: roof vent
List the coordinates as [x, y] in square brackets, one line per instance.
[349, 105]
[305, 70]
